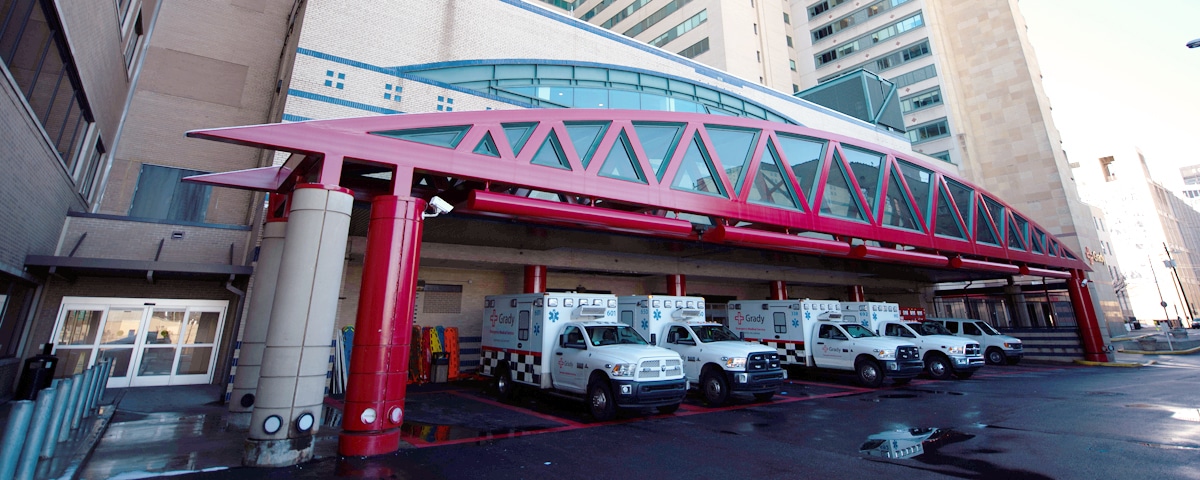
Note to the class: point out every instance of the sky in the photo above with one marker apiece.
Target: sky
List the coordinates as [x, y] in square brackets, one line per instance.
[1119, 75]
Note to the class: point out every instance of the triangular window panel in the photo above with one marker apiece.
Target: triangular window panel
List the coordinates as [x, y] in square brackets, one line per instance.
[437, 136]
[1039, 239]
[984, 233]
[551, 153]
[586, 137]
[658, 141]
[621, 162]
[920, 184]
[771, 186]
[946, 223]
[839, 200]
[897, 212]
[803, 156]
[998, 215]
[733, 146]
[518, 134]
[1016, 237]
[964, 197]
[866, 168]
[487, 146]
[1053, 249]
[697, 173]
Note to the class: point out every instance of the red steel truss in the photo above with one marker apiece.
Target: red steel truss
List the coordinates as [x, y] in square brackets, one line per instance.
[760, 184]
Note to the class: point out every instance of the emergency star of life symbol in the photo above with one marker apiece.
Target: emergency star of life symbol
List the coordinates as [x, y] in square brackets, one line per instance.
[554, 315]
[739, 318]
[537, 329]
[645, 324]
[658, 314]
[795, 324]
[493, 318]
[560, 363]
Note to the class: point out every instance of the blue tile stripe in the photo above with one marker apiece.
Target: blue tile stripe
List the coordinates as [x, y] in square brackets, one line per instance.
[337, 101]
[287, 117]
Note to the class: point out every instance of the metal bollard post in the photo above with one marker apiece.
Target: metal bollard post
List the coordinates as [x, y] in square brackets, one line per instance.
[79, 408]
[91, 391]
[108, 367]
[64, 432]
[61, 397]
[14, 436]
[36, 435]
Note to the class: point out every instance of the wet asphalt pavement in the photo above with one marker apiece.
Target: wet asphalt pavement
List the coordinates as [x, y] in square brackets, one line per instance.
[1025, 421]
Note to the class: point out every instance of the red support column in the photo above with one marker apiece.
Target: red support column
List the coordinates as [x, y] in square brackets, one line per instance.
[535, 279]
[1085, 317]
[378, 375]
[779, 290]
[676, 285]
[856, 293]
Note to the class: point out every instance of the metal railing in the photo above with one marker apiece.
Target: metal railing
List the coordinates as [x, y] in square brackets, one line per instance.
[36, 427]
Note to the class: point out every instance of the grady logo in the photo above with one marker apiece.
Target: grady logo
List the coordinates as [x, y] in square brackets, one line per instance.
[493, 318]
[739, 318]
[755, 319]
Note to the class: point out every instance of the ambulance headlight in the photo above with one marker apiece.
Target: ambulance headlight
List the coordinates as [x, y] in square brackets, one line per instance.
[886, 354]
[736, 362]
[622, 370]
[957, 350]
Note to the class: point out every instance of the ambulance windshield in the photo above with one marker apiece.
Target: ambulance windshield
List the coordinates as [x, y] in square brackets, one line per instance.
[857, 331]
[614, 334]
[714, 333]
[987, 329]
[932, 328]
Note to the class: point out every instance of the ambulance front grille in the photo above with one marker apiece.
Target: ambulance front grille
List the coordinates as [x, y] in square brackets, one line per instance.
[650, 369]
[972, 349]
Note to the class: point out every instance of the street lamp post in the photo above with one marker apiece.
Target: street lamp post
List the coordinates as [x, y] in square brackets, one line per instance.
[1186, 303]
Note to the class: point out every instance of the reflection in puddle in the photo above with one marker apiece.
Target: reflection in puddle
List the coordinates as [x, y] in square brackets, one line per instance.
[1188, 414]
[431, 433]
[897, 443]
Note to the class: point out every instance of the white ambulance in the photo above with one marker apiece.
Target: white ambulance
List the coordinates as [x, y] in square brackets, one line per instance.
[791, 326]
[715, 360]
[944, 354]
[571, 344]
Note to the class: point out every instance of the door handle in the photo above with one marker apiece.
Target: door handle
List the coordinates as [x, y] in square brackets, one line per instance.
[558, 353]
[820, 343]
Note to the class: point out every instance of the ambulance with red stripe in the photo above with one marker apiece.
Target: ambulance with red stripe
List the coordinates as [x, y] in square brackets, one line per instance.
[791, 326]
[571, 344]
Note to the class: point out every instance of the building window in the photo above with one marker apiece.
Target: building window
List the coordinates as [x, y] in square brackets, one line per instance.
[902, 57]
[756, 29]
[655, 17]
[680, 29]
[854, 18]
[822, 7]
[921, 100]
[789, 41]
[943, 156]
[787, 19]
[920, 74]
[133, 43]
[696, 49]
[928, 131]
[867, 41]
[623, 14]
[758, 56]
[792, 64]
[795, 88]
[161, 195]
[597, 9]
[37, 56]
[88, 172]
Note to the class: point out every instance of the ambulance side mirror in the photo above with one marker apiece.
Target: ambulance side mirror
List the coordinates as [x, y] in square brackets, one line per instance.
[562, 340]
[742, 335]
[654, 339]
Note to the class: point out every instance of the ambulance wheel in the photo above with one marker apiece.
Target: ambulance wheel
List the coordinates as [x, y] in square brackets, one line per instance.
[869, 373]
[714, 387]
[996, 356]
[600, 400]
[668, 409]
[939, 367]
[506, 389]
[763, 397]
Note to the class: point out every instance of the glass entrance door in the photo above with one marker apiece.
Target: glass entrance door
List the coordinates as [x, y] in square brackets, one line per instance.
[162, 342]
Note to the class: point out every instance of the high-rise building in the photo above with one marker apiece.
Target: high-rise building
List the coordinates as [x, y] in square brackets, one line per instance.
[965, 76]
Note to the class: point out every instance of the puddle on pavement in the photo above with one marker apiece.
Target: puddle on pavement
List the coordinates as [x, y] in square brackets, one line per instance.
[895, 395]
[939, 392]
[1189, 414]
[431, 433]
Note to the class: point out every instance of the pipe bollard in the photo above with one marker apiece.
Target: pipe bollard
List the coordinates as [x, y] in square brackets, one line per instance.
[108, 367]
[36, 435]
[91, 391]
[89, 376]
[61, 396]
[14, 436]
[69, 414]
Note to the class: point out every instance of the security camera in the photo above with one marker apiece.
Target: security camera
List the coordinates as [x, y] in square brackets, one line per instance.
[438, 206]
